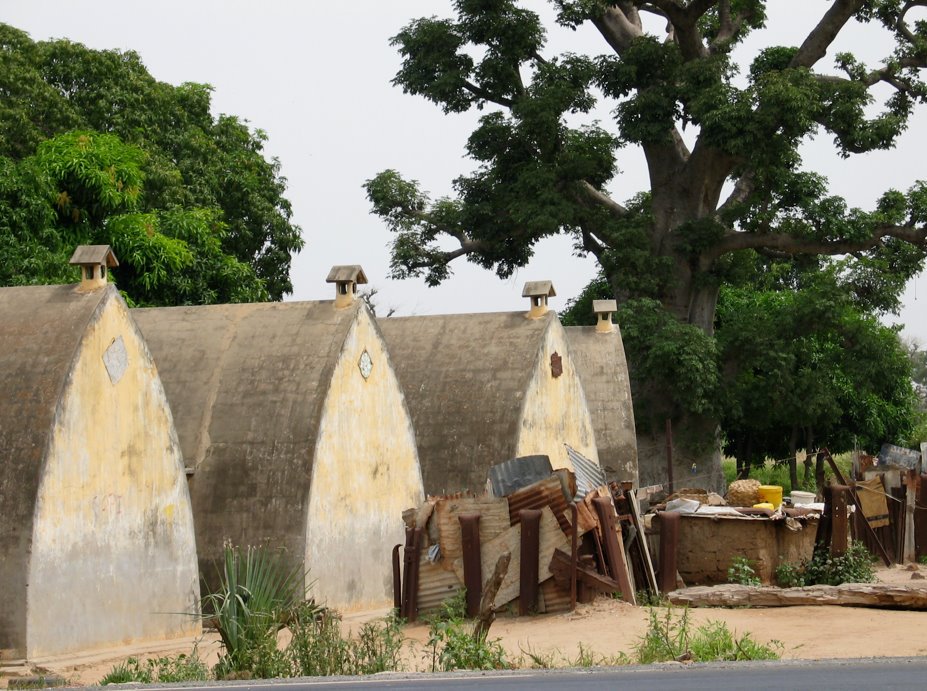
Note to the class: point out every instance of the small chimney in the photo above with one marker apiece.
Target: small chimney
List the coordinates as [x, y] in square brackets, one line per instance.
[346, 279]
[93, 260]
[538, 291]
[603, 310]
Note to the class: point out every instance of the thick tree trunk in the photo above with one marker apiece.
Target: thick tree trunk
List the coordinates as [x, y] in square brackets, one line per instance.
[696, 454]
[793, 462]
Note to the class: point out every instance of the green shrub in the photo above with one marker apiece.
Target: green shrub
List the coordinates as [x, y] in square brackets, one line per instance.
[670, 638]
[161, 670]
[128, 671]
[741, 571]
[855, 566]
[788, 575]
[454, 644]
[258, 594]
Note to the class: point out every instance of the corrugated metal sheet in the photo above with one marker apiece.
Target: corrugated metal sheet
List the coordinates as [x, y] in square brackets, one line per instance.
[588, 473]
[511, 476]
[435, 585]
[547, 492]
[553, 598]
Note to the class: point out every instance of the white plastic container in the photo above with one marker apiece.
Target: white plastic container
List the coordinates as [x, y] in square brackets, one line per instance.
[802, 498]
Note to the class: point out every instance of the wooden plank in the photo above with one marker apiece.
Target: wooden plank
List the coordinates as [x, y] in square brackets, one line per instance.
[642, 541]
[551, 538]
[910, 483]
[494, 520]
[849, 594]
[560, 568]
[866, 527]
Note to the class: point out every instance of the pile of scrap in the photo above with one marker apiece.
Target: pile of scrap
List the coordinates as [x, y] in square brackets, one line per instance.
[565, 535]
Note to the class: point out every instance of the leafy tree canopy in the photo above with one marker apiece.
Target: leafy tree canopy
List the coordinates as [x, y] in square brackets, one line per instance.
[721, 141]
[94, 149]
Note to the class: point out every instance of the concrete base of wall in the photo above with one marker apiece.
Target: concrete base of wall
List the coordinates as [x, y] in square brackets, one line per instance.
[134, 649]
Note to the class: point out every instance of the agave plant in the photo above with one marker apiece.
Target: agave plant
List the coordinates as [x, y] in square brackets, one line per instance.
[257, 596]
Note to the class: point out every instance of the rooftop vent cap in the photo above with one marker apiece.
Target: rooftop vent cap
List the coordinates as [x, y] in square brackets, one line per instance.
[346, 279]
[603, 310]
[538, 291]
[93, 260]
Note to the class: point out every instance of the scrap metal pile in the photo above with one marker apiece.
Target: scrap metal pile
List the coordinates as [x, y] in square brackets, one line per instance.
[566, 533]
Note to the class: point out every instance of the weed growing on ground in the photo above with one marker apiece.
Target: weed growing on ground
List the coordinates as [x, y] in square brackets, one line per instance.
[855, 566]
[670, 638]
[161, 670]
[454, 644]
[741, 571]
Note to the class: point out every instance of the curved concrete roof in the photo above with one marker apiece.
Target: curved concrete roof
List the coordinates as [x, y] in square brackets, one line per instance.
[41, 328]
[603, 369]
[464, 377]
[246, 384]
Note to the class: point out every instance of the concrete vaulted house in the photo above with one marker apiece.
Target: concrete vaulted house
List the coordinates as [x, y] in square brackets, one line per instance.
[96, 531]
[294, 433]
[485, 388]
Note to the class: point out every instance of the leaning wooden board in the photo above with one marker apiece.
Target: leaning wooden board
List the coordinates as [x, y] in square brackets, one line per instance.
[551, 538]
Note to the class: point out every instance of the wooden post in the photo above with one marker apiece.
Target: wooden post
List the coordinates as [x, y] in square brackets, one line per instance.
[669, 454]
[472, 560]
[840, 524]
[613, 548]
[529, 565]
[669, 538]
[910, 484]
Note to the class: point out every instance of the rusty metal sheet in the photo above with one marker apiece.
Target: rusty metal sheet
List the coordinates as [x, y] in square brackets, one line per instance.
[494, 519]
[556, 365]
[435, 585]
[547, 492]
[552, 598]
[510, 476]
[589, 475]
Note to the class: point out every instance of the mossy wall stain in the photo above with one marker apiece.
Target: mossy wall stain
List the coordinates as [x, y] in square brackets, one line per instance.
[554, 410]
[365, 473]
[113, 553]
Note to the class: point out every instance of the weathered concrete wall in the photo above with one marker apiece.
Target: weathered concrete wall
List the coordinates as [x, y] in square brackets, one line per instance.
[708, 546]
[113, 554]
[554, 410]
[365, 473]
[603, 370]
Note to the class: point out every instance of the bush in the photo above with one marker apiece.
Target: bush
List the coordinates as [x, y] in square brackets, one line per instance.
[258, 595]
[669, 638]
[741, 571]
[855, 566]
[161, 670]
[454, 644]
[319, 649]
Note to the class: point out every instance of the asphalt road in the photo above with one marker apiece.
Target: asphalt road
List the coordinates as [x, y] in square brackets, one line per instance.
[876, 674]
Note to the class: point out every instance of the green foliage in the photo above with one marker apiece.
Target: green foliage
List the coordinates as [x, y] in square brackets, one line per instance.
[161, 670]
[258, 594]
[712, 330]
[670, 638]
[454, 644]
[87, 135]
[788, 575]
[318, 647]
[741, 571]
[855, 566]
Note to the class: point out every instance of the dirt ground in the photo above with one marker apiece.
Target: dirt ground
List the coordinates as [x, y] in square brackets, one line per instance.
[609, 627]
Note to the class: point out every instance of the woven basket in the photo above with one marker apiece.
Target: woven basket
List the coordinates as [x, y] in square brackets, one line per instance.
[743, 493]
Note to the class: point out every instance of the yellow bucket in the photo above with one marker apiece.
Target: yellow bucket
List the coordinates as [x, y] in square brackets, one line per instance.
[771, 494]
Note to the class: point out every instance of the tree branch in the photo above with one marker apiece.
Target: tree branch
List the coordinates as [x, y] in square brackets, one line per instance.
[480, 92]
[818, 41]
[617, 28]
[790, 245]
[602, 199]
[742, 189]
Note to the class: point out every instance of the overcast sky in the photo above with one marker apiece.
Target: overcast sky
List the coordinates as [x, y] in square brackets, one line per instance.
[316, 77]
